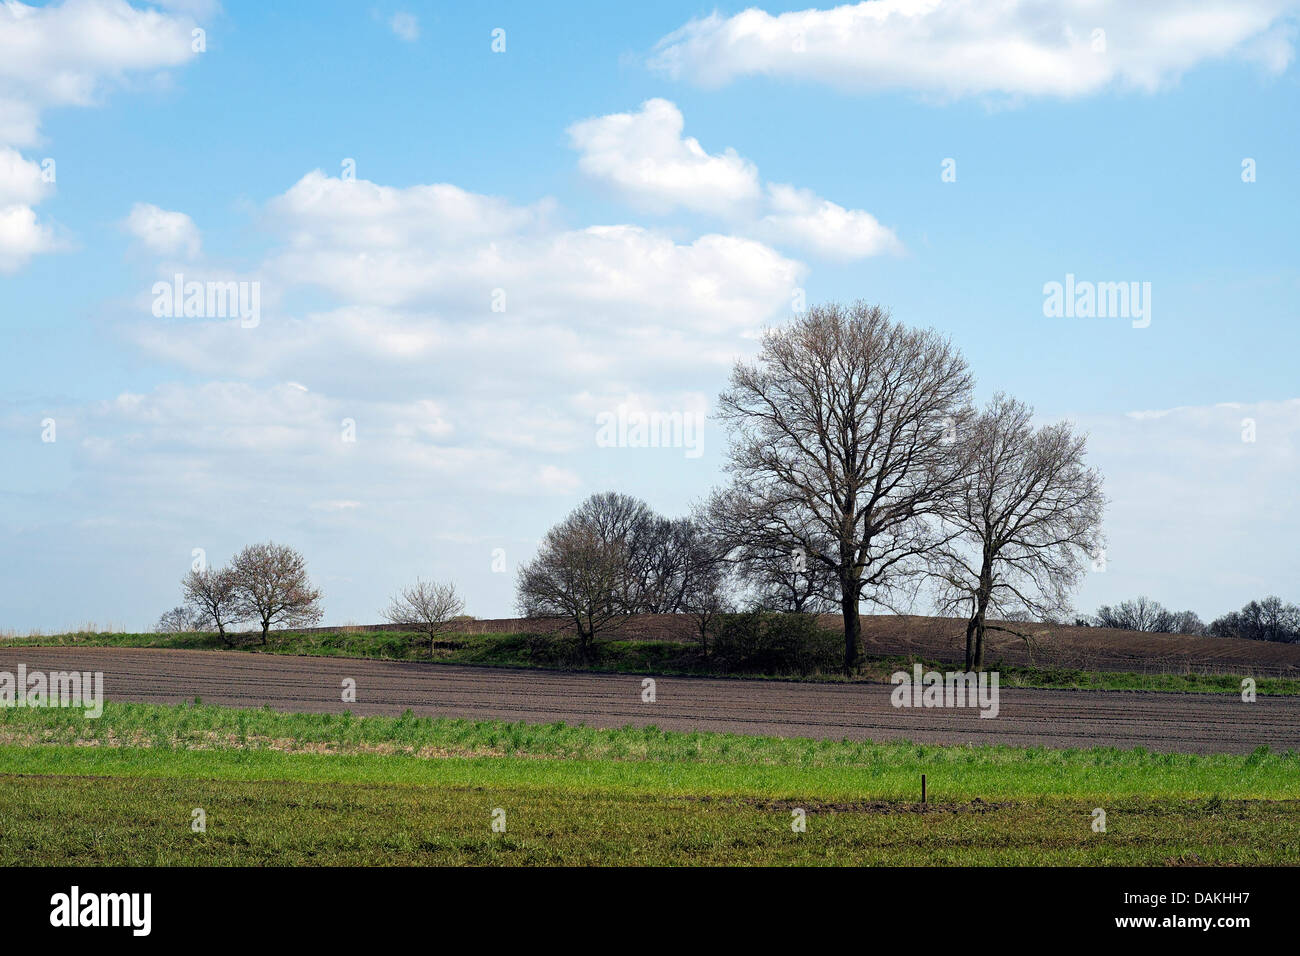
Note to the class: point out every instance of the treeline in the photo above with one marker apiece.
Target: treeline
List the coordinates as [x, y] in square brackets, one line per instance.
[268, 584]
[1269, 619]
[860, 471]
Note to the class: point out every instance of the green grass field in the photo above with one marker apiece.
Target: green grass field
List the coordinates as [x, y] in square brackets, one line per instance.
[328, 789]
[630, 657]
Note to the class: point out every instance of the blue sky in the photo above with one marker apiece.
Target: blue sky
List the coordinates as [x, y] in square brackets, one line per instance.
[647, 186]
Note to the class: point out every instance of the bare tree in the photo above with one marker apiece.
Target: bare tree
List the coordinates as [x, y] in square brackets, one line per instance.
[427, 606]
[704, 578]
[272, 586]
[1139, 614]
[839, 445]
[213, 600]
[628, 525]
[176, 621]
[660, 557]
[772, 567]
[580, 575]
[1271, 619]
[1187, 622]
[1019, 524]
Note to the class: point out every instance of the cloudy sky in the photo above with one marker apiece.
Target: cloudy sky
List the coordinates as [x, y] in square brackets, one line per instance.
[464, 233]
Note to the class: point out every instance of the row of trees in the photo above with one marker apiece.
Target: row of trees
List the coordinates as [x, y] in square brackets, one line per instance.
[268, 584]
[860, 470]
[1270, 619]
[1144, 614]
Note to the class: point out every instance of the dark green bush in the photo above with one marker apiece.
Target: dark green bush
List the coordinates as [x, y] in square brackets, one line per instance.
[767, 642]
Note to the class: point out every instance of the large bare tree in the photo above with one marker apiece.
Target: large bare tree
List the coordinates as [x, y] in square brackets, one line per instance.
[272, 586]
[1021, 523]
[840, 444]
[212, 597]
[427, 606]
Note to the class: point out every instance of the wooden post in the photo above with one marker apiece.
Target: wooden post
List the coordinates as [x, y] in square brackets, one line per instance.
[923, 788]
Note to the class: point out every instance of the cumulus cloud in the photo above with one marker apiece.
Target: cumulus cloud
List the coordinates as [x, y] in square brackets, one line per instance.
[645, 159]
[321, 211]
[69, 54]
[800, 217]
[66, 54]
[22, 182]
[22, 185]
[475, 255]
[21, 237]
[164, 232]
[955, 49]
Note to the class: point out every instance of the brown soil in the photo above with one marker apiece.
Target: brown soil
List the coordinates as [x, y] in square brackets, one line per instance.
[1196, 723]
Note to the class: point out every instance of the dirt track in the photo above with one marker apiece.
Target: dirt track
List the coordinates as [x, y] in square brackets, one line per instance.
[1195, 723]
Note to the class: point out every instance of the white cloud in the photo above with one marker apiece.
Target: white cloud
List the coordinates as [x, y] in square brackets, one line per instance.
[21, 180]
[164, 232]
[255, 439]
[68, 54]
[65, 54]
[644, 157]
[954, 49]
[321, 211]
[801, 218]
[405, 26]
[21, 237]
[441, 246]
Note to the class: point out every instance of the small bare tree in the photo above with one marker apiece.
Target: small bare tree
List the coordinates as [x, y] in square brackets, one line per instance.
[176, 621]
[426, 606]
[272, 586]
[579, 575]
[1019, 525]
[213, 600]
[705, 573]
[839, 445]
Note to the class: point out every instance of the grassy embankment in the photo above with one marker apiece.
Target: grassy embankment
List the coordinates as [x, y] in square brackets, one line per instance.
[631, 657]
[327, 789]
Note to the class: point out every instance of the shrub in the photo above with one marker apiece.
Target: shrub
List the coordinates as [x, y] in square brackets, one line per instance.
[767, 642]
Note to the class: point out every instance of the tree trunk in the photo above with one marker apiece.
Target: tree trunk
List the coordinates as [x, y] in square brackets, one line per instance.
[852, 624]
[266, 626]
[970, 644]
[982, 598]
